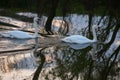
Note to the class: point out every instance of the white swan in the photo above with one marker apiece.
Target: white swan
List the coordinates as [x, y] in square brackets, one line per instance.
[78, 39]
[21, 34]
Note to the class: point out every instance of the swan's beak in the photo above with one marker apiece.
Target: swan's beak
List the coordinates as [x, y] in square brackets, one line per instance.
[38, 21]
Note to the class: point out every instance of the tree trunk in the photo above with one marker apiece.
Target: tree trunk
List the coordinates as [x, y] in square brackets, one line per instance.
[90, 21]
[52, 13]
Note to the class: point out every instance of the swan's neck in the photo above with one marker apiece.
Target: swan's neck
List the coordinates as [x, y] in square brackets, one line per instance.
[94, 34]
[36, 29]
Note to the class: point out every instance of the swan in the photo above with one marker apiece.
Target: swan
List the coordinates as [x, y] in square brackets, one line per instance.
[17, 34]
[79, 39]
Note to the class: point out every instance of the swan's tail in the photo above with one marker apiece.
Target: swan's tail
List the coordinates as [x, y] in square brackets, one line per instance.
[4, 35]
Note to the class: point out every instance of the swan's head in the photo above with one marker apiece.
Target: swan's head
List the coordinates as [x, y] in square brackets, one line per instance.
[36, 19]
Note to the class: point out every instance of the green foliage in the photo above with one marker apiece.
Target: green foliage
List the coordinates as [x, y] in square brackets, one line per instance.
[17, 4]
[65, 6]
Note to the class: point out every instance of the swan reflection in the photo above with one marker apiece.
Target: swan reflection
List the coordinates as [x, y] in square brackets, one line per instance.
[79, 46]
[84, 46]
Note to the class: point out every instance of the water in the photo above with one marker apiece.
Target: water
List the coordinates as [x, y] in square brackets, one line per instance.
[75, 62]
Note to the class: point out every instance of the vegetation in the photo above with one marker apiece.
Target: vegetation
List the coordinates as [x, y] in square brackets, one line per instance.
[64, 7]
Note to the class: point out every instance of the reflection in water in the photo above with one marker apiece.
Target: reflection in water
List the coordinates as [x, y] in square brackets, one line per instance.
[82, 62]
[18, 42]
[71, 64]
[66, 63]
[78, 46]
[36, 44]
[83, 46]
[88, 62]
[69, 60]
[94, 46]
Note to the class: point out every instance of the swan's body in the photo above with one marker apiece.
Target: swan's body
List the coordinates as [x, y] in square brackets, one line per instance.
[21, 34]
[17, 34]
[79, 39]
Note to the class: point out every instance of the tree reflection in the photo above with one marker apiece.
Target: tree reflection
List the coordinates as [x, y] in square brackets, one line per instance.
[79, 64]
[90, 63]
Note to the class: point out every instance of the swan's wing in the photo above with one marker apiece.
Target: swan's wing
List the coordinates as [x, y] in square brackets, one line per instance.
[19, 34]
[76, 39]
